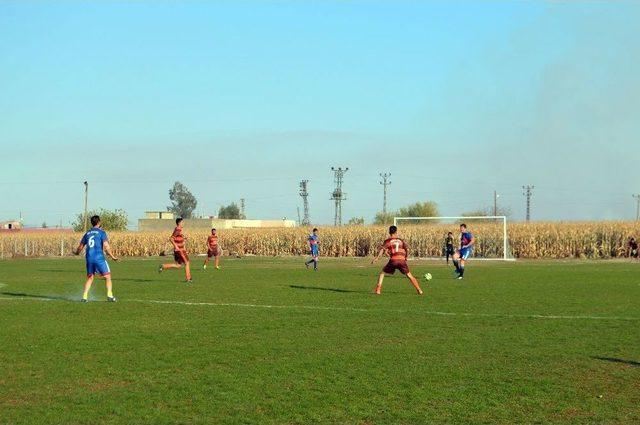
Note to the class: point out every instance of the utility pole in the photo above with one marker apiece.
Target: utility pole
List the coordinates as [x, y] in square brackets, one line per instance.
[304, 193]
[385, 182]
[528, 192]
[242, 215]
[495, 203]
[637, 197]
[299, 219]
[338, 196]
[86, 204]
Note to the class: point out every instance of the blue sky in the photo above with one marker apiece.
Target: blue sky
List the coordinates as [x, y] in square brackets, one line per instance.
[244, 99]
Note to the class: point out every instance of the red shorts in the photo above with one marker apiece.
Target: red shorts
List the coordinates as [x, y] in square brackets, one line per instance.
[394, 265]
[180, 257]
[213, 252]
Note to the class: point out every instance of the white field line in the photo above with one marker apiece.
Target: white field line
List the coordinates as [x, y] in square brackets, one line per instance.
[435, 313]
[292, 307]
[365, 310]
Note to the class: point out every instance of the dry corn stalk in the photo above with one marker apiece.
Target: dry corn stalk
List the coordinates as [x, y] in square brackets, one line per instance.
[532, 240]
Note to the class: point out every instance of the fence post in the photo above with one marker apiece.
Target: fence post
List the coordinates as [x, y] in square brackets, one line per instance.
[26, 247]
[61, 246]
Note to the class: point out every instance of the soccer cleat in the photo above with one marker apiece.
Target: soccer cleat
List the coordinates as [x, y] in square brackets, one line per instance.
[84, 300]
[459, 277]
[420, 292]
[188, 281]
[217, 267]
[111, 299]
[204, 267]
[160, 269]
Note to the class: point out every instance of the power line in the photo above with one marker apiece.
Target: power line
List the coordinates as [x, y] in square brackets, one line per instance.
[338, 195]
[528, 192]
[152, 180]
[304, 193]
[385, 183]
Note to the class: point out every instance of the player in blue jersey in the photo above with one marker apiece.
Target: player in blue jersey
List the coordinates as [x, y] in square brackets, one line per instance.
[96, 243]
[466, 246]
[313, 248]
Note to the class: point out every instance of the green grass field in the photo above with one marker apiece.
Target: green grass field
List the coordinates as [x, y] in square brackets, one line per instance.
[266, 341]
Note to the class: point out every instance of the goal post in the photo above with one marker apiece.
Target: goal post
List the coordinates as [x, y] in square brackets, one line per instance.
[459, 219]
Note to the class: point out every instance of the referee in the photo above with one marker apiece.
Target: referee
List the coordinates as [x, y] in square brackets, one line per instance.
[449, 250]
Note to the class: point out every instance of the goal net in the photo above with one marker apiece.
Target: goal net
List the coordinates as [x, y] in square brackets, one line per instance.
[426, 235]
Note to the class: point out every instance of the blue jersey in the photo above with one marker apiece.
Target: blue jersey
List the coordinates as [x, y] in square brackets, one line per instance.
[93, 241]
[313, 243]
[465, 239]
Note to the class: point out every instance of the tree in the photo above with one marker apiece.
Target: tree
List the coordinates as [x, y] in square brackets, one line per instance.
[474, 213]
[383, 218]
[356, 221]
[487, 211]
[183, 202]
[419, 209]
[111, 220]
[231, 211]
[44, 224]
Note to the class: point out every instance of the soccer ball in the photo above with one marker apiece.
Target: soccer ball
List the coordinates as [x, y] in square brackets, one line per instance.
[428, 276]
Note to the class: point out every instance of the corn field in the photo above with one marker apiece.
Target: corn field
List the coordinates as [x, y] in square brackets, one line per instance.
[534, 240]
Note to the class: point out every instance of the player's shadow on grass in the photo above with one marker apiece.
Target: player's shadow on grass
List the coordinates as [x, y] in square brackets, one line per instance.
[40, 297]
[55, 271]
[138, 280]
[320, 288]
[616, 360]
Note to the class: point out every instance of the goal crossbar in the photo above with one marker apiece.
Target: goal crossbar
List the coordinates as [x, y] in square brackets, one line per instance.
[503, 218]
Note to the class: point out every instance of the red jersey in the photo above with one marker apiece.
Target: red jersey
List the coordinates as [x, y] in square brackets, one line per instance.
[212, 242]
[396, 248]
[178, 238]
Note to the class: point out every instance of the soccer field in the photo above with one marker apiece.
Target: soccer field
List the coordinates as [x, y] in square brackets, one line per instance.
[267, 341]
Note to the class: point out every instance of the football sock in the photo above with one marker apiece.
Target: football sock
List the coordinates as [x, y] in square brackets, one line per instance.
[455, 263]
[110, 294]
[461, 270]
[85, 295]
[415, 284]
[315, 264]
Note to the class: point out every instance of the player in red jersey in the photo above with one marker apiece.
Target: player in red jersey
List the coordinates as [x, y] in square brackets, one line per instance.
[213, 250]
[398, 252]
[179, 252]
